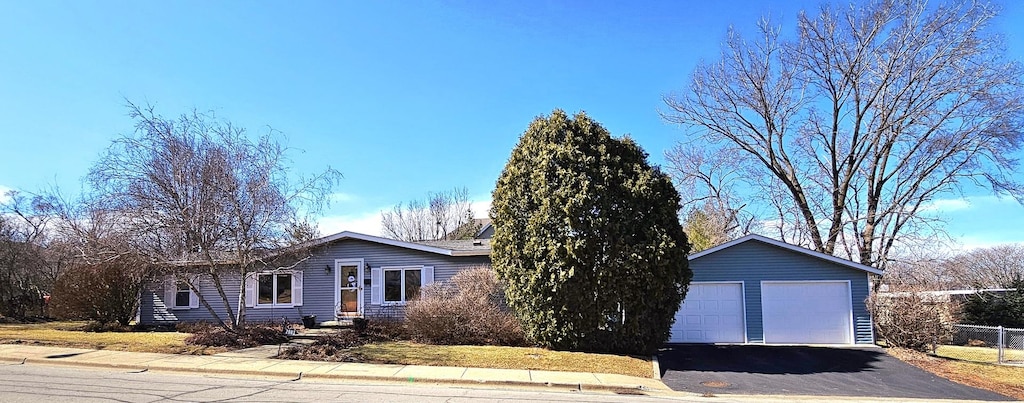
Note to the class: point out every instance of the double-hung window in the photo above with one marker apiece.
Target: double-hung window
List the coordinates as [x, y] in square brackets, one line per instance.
[178, 295]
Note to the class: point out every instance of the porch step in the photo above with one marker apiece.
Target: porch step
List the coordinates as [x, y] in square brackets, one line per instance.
[342, 323]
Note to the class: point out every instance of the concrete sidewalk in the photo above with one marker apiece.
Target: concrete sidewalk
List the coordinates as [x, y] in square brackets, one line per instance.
[225, 364]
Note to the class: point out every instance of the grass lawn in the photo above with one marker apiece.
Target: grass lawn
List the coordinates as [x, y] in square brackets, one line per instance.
[979, 354]
[66, 334]
[1004, 379]
[503, 357]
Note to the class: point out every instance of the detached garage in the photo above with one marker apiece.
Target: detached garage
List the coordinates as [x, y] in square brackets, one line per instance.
[759, 290]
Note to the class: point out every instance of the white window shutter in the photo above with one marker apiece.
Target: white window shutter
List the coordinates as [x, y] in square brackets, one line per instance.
[297, 288]
[193, 298]
[250, 290]
[427, 275]
[170, 291]
[375, 286]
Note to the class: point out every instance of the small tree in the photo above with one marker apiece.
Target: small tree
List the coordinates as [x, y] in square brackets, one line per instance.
[107, 291]
[27, 267]
[587, 239]
[199, 191]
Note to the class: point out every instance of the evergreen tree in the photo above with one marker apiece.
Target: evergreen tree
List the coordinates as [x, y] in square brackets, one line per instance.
[587, 239]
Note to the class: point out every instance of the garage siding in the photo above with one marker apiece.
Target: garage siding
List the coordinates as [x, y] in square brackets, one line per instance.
[753, 262]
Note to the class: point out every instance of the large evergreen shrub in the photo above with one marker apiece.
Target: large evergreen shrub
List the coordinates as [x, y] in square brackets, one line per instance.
[587, 239]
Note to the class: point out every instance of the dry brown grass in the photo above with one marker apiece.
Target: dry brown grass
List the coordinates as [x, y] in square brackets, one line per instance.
[978, 354]
[1002, 379]
[409, 353]
[65, 334]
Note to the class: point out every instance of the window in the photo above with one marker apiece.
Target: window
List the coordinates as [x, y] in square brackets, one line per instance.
[397, 285]
[402, 284]
[274, 289]
[182, 295]
[178, 294]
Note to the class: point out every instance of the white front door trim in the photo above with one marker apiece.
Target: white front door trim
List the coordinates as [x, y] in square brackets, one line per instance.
[338, 264]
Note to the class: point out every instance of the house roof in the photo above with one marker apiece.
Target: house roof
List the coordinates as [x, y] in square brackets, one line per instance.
[448, 248]
[787, 246]
[485, 224]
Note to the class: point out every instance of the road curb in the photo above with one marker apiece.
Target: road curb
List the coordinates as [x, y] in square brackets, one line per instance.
[299, 375]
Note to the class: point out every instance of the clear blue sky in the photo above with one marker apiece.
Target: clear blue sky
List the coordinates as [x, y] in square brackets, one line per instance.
[402, 97]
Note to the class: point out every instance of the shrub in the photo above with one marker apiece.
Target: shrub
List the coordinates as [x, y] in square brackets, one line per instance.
[251, 335]
[192, 327]
[105, 292]
[911, 320]
[102, 327]
[468, 309]
[990, 309]
[330, 347]
[587, 239]
[385, 328]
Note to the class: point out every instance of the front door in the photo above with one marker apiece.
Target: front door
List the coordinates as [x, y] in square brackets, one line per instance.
[349, 299]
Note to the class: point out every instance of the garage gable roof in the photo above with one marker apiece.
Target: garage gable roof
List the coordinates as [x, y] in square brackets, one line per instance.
[790, 247]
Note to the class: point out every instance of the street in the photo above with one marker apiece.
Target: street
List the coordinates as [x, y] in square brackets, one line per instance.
[37, 383]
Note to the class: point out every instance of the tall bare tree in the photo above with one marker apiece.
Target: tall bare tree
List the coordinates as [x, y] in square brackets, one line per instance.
[868, 114]
[443, 215]
[202, 198]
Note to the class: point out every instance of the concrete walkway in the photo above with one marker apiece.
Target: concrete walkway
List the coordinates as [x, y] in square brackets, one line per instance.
[233, 364]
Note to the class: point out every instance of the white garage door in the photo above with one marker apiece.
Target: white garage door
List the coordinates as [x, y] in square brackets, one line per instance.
[711, 313]
[806, 312]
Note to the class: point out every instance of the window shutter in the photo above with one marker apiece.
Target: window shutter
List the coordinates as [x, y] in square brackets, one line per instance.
[170, 291]
[427, 275]
[375, 286]
[250, 290]
[193, 298]
[297, 288]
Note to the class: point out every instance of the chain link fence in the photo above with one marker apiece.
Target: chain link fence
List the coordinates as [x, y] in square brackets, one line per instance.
[988, 344]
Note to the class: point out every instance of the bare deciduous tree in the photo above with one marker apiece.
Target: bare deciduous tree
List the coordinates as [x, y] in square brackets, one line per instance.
[443, 215]
[707, 184]
[870, 113]
[25, 275]
[199, 197]
[993, 267]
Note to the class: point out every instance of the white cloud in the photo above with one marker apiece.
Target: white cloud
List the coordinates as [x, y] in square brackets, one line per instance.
[3, 194]
[947, 205]
[340, 197]
[364, 223]
[368, 222]
[480, 208]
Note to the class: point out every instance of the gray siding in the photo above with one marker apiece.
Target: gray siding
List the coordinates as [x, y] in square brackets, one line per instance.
[754, 261]
[318, 286]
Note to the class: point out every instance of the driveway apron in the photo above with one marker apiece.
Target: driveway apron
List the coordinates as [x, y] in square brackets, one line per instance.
[798, 370]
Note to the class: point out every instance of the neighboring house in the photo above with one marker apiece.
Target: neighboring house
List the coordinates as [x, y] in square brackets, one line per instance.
[348, 275]
[751, 290]
[760, 290]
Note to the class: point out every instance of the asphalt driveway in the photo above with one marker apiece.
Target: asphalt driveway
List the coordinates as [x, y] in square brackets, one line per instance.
[794, 370]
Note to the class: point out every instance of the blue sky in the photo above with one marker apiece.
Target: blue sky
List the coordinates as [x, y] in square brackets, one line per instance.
[402, 97]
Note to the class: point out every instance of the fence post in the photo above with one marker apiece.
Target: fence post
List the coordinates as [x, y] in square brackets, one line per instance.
[1000, 342]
